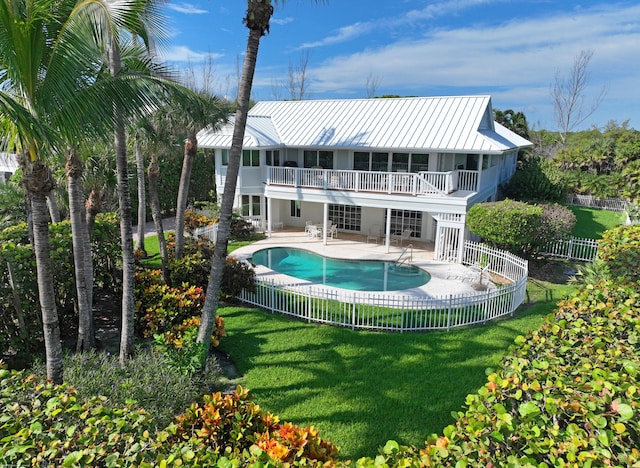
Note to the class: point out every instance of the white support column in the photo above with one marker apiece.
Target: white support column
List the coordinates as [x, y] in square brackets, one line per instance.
[325, 217]
[461, 238]
[387, 231]
[437, 247]
[479, 183]
[269, 216]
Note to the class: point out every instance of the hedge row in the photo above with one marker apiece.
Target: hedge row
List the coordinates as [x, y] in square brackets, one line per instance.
[42, 424]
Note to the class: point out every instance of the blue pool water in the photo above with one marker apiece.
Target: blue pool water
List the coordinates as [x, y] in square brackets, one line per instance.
[358, 275]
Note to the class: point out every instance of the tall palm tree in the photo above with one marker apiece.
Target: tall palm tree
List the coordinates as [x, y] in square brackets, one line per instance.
[205, 111]
[83, 263]
[257, 20]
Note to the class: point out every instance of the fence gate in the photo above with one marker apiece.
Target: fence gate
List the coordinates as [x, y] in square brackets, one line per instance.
[449, 237]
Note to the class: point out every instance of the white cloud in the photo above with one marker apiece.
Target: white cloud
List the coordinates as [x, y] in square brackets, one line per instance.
[343, 34]
[515, 60]
[184, 54]
[186, 8]
[282, 21]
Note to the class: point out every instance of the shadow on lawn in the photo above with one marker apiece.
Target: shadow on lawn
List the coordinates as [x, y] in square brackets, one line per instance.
[361, 388]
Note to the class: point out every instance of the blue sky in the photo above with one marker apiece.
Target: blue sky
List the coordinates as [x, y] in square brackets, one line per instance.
[509, 49]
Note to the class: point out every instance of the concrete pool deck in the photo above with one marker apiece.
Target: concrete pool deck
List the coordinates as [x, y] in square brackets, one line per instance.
[446, 278]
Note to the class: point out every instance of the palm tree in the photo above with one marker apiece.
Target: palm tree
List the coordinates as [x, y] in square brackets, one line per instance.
[82, 260]
[205, 111]
[257, 20]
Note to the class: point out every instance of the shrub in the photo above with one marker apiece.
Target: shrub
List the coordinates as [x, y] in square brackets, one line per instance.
[45, 424]
[194, 220]
[519, 227]
[508, 224]
[557, 223]
[236, 277]
[240, 229]
[19, 305]
[179, 348]
[233, 423]
[159, 306]
[566, 395]
[619, 249]
[161, 390]
[536, 180]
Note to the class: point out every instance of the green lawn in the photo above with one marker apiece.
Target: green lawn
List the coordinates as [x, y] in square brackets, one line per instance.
[361, 388]
[591, 222]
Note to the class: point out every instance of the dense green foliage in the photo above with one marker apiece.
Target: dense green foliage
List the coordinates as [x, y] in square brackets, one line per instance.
[55, 425]
[519, 227]
[20, 327]
[536, 181]
[619, 250]
[603, 163]
[201, 185]
[161, 390]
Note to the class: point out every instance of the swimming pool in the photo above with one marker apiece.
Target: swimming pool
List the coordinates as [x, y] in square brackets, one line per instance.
[358, 275]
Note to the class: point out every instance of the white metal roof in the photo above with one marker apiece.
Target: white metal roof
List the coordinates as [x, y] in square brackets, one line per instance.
[445, 124]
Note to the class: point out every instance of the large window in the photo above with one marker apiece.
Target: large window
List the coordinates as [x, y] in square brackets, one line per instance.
[406, 219]
[225, 157]
[322, 159]
[250, 205]
[419, 162]
[347, 217]
[361, 161]
[273, 157]
[250, 157]
[400, 162]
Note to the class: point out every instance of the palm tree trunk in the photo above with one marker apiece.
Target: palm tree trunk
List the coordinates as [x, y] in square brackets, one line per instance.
[126, 231]
[154, 201]
[190, 150]
[38, 182]
[81, 250]
[226, 209]
[52, 204]
[142, 203]
[92, 207]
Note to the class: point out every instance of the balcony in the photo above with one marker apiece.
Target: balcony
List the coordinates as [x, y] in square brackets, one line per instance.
[395, 183]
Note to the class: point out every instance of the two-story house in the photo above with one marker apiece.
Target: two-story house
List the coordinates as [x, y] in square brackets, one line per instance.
[383, 165]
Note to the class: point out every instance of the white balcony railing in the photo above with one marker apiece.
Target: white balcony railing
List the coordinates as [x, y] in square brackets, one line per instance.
[404, 183]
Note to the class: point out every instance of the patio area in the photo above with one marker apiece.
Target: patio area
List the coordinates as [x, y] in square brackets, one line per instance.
[446, 278]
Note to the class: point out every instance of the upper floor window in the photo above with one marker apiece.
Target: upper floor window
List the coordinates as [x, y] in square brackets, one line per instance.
[225, 157]
[250, 157]
[273, 157]
[419, 162]
[400, 162]
[322, 159]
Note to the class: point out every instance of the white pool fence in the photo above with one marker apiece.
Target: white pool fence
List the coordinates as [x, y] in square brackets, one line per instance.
[393, 312]
[612, 204]
[574, 248]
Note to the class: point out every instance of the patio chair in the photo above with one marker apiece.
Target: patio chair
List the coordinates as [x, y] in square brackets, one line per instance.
[333, 231]
[374, 233]
[307, 226]
[315, 231]
[406, 234]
